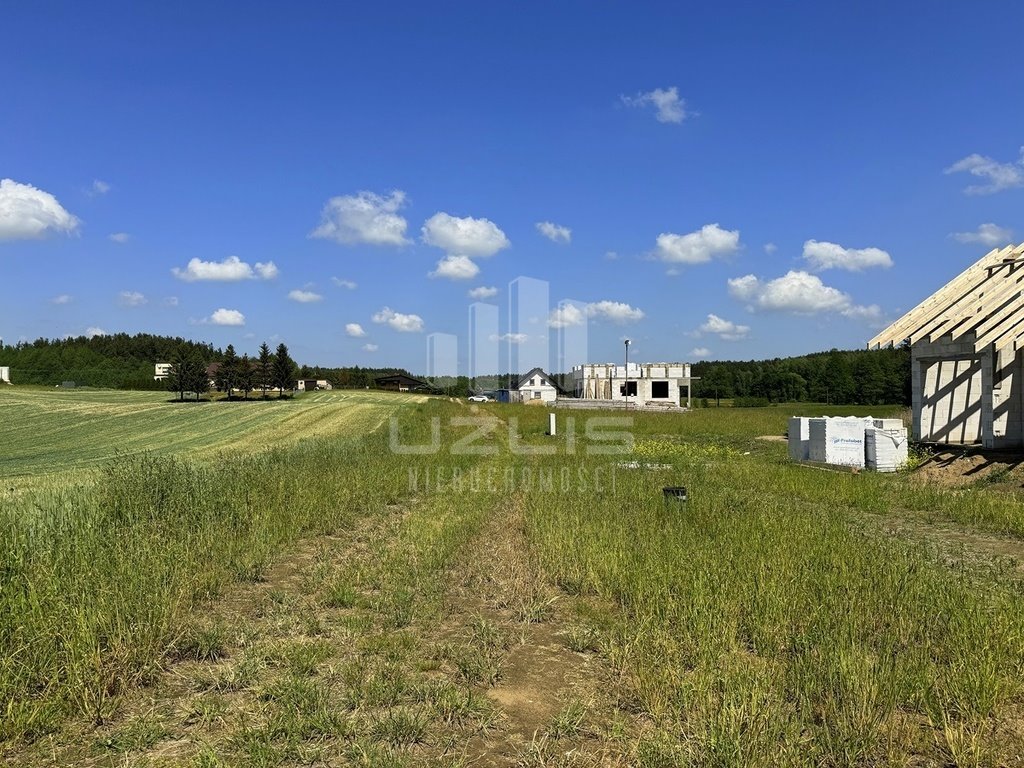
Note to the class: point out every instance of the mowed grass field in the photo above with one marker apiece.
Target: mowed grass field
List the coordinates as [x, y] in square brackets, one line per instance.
[508, 598]
[47, 431]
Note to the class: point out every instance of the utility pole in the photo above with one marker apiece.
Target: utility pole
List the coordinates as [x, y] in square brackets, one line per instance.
[627, 374]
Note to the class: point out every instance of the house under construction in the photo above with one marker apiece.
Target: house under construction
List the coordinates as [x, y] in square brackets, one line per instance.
[966, 359]
[667, 385]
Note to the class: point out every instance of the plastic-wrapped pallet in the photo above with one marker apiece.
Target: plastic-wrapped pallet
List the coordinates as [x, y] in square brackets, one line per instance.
[799, 438]
[887, 423]
[885, 450]
[837, 440]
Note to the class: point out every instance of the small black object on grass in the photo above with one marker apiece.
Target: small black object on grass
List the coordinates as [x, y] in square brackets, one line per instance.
[674, 494]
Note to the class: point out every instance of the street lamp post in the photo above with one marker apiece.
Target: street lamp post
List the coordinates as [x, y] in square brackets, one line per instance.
[627, 374]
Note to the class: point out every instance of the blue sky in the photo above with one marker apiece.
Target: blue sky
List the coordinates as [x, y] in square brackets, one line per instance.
[722, 181]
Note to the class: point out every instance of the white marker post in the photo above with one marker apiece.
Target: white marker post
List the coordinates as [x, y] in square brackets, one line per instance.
[551, 424]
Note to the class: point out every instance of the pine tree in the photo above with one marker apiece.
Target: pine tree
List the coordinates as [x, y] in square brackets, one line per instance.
[264, 369]
[198, 379]
[284, 369]
[246, 374]
[227, 373]
[178, 377]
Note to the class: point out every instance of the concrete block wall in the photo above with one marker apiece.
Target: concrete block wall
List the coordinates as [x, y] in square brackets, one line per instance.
[963, 396]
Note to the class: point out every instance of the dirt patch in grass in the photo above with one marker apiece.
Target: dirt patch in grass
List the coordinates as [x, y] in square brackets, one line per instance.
[961, 467]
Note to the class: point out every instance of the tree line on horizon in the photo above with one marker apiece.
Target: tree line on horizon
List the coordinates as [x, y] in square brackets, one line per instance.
[867, 377]
[190, 373]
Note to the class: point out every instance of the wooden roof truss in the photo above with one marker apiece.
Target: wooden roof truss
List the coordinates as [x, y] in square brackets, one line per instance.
[987, 299]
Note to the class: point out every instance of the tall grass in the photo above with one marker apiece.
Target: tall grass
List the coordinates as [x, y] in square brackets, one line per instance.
[97, 580]
[758, 624]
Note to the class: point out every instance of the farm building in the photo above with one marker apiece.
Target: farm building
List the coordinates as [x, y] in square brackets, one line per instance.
[400, 382]
[161, 371]
[965, 341]
[5, 374]
[308, 385]
[535, 386]
[645, 384]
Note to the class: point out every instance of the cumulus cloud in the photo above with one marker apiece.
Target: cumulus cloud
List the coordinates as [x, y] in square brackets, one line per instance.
[370, 347]
[364, 218]
[986, 234]
[568, 315]
[700, 352]
[355, 330]
[99, 188]
[511, 338]
[615, 311]
[344, 283]
[232, 269]
[669, 108]
[998, 176]
[466, 236]
[27, 213]
[698, 247]
[131, 299]
[456, 268]
[724, 329]
[399, 321]
[770, 248]
[119, 237]
[93, 331]
[554, 232]
[797, 292]
[822, 255]
[62, 299]
[482, 292]
[304, 297]
[226, 317]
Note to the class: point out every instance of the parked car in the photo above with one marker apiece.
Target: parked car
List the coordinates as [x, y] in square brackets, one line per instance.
[479, 399]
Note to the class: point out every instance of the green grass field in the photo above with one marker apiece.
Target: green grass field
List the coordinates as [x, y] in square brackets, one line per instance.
[51, 431]
[333, 601]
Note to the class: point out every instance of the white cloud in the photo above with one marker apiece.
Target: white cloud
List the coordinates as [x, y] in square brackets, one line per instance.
[611, 255]
[27, 213]
[456, 268]
[986, 234]
[511, 338]
[998, 176]
[119, 237]
[463, 239]
[370, 347]
[700, 352]
[99, 188]
[93, 331]
[822, 255]
[770, 248]
[62, 299]
[266, 271]
[554, 232]
[466, 236]
[567, 316]
[698, 247]
[304, 297]
[670, 108]
[724, 329]
[482, 292]
[364, 218]
[800, 293]
[232, 269]
[616, 311]
[171, 301]
[344, 283]
[355, 330]
[399, 321]
[226, 317]
[131, 299]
